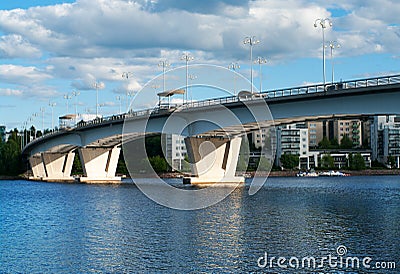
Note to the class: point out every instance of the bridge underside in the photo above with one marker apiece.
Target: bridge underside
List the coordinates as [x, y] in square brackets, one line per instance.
[98, 146]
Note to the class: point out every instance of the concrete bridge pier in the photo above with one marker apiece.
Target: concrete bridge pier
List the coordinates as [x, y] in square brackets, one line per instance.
[213, 159]
[50, 166]
[99, 164]
[37, 167]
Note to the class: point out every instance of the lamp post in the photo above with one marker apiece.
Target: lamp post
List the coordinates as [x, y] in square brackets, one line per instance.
[192, 77]
[52, 105]
[130, 94]
[119, 98]
[251, 40]
[25, 124]
[127, 75]
[155, 87]
[260, 61]
[67, 97]
[187, 58]
[164, 64]
[97, 85]
[323, 23]
[42, 109]
[234, 66]
[75, 94]
[32, 118]
[333, 45]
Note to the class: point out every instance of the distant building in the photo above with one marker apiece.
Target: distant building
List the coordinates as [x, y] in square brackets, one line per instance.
[3, 133]
[174, 150]
[385, 139]
[291, 139]
[340, 158]
[315, 133]
[349, 128]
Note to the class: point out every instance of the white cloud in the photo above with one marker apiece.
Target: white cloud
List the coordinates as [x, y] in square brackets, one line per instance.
[14, 74]
[99, 39]
[14, 46]
[10, 92]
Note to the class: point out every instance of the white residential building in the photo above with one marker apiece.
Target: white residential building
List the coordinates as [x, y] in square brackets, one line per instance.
[291, 139]
[175, 150]
[385, 138]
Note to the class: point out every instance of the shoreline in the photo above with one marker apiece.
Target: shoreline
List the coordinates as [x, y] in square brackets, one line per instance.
[284, 173]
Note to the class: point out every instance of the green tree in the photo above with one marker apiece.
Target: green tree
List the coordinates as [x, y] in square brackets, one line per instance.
[358, 162]
[77, 166]
[324, 143]
[153, 145]
[327, 161]
[10, 157]
[346, 142]
[350, 159]
[242, 163]
[334, 143]
[264, 164]
[121, 167]
[289, 161]
[185, 164]
[391, 161]
[159, 164]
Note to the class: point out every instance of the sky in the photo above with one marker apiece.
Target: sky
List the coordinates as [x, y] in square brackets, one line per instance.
[52, 48]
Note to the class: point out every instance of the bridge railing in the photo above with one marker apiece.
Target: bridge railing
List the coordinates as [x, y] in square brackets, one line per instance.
[285, 92]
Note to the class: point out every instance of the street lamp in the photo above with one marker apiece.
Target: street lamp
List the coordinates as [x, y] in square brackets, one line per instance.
[192, 77]
[31, 119]
[97, 85]
[333, 45]
[119, 98]
[42, 109]
[127, 75]
[75, 94]
[251, 40]
[260, 61]
[187, 58]
[67, 97]
[323, 23]
[234, 66]
[52, 105]
[159, 97]
[164, 64]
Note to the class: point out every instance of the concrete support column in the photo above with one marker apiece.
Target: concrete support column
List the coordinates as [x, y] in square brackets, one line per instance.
[214, 160]
[37, 167]
[99, 164]
[58, 166]
[52, 166]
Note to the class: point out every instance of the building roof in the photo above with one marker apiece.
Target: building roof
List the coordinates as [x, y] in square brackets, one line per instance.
[171, 92]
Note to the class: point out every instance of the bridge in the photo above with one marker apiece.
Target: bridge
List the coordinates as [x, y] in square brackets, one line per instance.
[213, 146]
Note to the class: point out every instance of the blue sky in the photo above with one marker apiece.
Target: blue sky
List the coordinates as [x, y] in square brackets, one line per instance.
[50, 48]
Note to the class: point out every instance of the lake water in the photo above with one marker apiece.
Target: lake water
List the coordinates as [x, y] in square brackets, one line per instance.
[78, 228]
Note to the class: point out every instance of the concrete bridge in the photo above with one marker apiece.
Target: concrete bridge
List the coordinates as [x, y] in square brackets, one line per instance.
[213, 128]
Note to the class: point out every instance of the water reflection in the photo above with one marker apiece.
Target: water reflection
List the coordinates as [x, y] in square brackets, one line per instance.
[86, 228]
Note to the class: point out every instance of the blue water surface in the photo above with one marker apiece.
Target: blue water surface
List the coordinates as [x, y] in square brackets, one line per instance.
[79, 228]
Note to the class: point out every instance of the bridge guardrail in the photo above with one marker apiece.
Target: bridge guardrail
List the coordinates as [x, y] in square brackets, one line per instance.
[285, 92]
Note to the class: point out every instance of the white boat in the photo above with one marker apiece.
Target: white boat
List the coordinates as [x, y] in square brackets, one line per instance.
[307, 174]
[332, 173]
